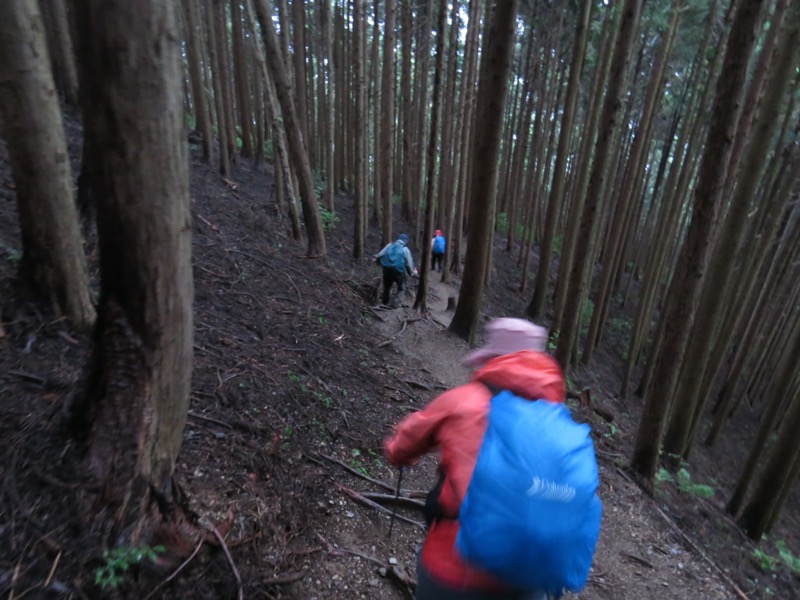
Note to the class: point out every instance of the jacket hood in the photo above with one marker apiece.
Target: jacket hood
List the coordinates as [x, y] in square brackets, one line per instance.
[530, 374]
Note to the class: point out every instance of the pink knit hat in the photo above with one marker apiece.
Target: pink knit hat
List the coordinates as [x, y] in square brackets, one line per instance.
[505, 336]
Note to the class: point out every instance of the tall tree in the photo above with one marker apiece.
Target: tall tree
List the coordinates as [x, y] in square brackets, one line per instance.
[245, 113]
[536, 306]
[420, 303]
[684, 289]
[194, 42]
[298, 8]
[778, 474]
[635, 166]
[297, 146]
[53, 263]
[219, 81]
[495, 66]
[386, 157]
[360, 143]
[576, 291]
[690, 397]
[62, 52]
[134, 409]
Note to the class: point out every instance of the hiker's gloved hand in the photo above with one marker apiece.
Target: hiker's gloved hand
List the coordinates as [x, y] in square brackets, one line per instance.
[415, 273]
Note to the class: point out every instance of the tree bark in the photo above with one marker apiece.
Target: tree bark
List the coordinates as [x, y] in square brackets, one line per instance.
[575, 291]
[240, 80]
[53, 263]
[689, 399]
[62, 53]
[360, 124]
[299, 63]
[386, 156]
[491, 107]
[297, 147]
[420, 302]
[134, 410]
[217, 71]
[194, 41]
[779, 472]
[693, 259]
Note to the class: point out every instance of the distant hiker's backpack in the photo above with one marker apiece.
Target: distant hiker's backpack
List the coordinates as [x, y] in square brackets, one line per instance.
[438, 245]
[531, 515]
[394, 257]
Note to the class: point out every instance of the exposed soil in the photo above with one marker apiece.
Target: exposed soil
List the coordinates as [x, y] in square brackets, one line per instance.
[298, 377]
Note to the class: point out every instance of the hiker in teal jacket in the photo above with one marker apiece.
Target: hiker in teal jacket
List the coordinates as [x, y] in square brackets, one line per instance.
[396, 260]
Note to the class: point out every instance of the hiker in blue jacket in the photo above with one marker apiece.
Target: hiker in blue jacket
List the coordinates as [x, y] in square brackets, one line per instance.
[437, 251]
[396, 260]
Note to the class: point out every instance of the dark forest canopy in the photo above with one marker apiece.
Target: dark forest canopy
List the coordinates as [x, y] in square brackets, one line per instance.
[632, 154]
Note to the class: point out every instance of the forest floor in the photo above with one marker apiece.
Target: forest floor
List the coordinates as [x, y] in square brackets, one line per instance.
[298, 377]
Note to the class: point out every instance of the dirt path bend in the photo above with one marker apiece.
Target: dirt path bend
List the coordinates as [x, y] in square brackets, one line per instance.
[640, 555]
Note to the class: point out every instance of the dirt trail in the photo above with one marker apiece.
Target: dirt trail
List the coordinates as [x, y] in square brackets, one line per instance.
[639, 555]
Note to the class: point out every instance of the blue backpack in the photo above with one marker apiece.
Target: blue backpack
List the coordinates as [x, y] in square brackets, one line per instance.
[531, 514]
[438, 245]
[394, 257]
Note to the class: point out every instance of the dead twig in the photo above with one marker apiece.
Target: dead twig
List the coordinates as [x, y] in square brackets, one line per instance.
[402, 329]
[269, 266]
[369, 503]
[52, 570]
[417, 384]
[174, 574]
[737, 590]
[390, 499]
[284, 579]
[194, 415]
[637, 559]
[213, 227]
[221, 540]
[387, 486]
[388, 387]
[29, 377]
[398, 574]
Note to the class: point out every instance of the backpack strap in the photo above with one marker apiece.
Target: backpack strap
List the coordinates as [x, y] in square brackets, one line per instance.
[493, 389]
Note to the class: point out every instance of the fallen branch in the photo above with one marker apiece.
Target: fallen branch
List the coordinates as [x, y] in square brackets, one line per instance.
[384, 485]
[388, 387]
[397, 573]
[417, 384]
[392, 499]
[369, 503]
[637, 559]
[221, 540]
[200, 417]
[174, 574]
[402, 329]
[269, 266]
[52, 570]
[29, 377]
[213, 227]
[702, 554]
[284, 579]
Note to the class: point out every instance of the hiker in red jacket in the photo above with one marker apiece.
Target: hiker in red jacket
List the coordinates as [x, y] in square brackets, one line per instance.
[513, 358]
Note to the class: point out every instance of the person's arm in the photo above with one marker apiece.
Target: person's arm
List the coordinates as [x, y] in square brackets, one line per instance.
[417, 433]
[409, 260]
[383, 251]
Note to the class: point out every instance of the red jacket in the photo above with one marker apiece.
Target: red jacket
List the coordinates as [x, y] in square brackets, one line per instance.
[454, 423]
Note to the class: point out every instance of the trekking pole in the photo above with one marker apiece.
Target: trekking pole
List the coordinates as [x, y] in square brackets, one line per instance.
[396, 498]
